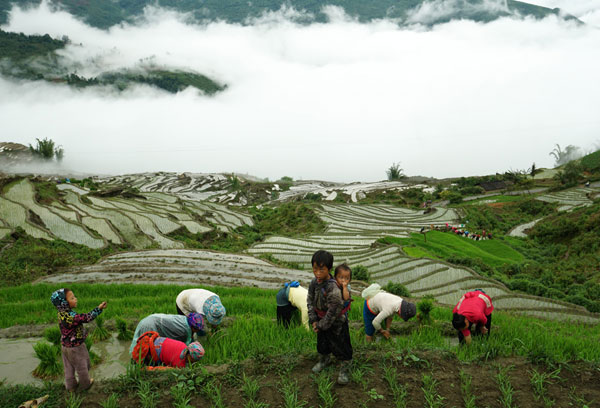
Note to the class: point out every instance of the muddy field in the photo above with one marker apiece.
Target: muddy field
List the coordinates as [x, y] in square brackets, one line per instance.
[576, 385]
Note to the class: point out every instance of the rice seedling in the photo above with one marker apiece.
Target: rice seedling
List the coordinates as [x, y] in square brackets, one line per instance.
[425, 307]
[506, 389]
[399, 391]
[181, 396]
[578, 400]
[50, 365]
[148, 398]
[53, 335]
[124, 332]
[73, 400]
[432, 398]
[357, 374]
[250, 387]
[100, 333]
[465, 387]
[289, 390]
[324, 387]
[111, 402]
[539, 383]
[212, 392]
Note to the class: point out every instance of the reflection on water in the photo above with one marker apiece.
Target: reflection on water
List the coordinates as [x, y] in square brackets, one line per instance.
[18, 360]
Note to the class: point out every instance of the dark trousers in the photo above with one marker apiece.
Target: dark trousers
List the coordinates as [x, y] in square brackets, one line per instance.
[488, 326]
[285, 314]
[337, 344]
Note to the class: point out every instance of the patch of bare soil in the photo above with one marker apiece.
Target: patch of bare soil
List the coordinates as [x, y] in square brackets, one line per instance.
[373, 391]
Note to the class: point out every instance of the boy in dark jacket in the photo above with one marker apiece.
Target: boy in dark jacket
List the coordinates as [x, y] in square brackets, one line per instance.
[325, 304]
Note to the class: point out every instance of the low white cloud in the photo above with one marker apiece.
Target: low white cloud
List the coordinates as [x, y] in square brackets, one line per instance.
[339, 101]
[587, 11]
[431, 11]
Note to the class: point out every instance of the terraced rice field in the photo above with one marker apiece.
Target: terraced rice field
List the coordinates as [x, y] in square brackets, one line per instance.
[356, 191]
[423, 276]
[571, 199]
[184, 267]
[93, 221]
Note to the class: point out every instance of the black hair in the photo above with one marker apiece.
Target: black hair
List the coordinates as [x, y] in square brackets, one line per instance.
[342, 267]
[458, 321]
[322, 258]
[67, 290]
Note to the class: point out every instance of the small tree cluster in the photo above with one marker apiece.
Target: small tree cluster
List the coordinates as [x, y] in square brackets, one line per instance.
[46, 149]
[395, 172]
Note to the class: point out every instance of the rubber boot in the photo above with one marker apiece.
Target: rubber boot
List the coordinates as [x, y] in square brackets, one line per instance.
[344, 376]
[324, 361]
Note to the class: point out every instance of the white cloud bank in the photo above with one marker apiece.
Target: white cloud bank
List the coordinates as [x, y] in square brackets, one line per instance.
[339, 101]
[586, 10]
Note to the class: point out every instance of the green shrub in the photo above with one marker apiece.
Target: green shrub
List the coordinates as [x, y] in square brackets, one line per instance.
[397, 289]
[360, 272]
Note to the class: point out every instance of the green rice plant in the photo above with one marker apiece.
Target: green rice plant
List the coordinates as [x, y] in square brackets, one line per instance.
[181, 396]
[578, 400]
[124, 332]
[432, 398]
[50, 365]
[506, 389]
[134, 374]
[53, 335]
[73, 400]
[289, 390]
[250, 387]
[111, 402]
[148, 398]
[357, 374]
[100, 333]
[212, 392]
[399, 391]
[465, 387]
[324, 387]
[539, 382]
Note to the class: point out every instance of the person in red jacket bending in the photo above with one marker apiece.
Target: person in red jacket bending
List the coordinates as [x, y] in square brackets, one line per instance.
[473, 308]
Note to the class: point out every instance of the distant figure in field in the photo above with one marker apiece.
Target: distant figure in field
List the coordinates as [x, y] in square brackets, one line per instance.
[382, 306]
[176, 327]
[201, 301]
[75, 355]
[473, 308]
[325, 313]
[291, 298]
[162, 352]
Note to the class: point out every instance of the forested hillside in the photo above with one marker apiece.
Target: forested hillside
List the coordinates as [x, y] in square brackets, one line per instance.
[105, 13]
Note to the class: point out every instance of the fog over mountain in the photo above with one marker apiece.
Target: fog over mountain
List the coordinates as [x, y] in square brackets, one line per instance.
[339, 101]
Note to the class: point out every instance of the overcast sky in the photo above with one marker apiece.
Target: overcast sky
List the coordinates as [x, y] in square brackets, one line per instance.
[340, 101]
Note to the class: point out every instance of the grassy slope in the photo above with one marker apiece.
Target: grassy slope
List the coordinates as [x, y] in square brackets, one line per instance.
[442, 245]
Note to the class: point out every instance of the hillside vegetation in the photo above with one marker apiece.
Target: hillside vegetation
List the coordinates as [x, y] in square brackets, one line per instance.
[106, 13]
[32, 57]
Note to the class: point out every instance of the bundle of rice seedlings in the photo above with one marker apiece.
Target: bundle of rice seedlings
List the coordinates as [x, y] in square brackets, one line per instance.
[100, 333]
[52, 334]
[124, 332]
[50, 365]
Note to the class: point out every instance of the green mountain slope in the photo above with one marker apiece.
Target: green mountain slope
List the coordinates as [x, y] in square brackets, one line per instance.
[105, 13]
[33, 57]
